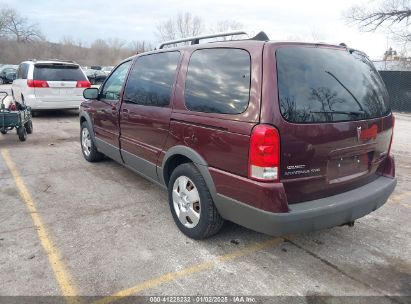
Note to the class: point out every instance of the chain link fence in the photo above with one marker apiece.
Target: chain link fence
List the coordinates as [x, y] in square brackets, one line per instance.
[398, 84]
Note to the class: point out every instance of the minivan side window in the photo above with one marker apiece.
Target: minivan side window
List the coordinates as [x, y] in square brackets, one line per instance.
[218, 81]
[23, 71]
[151, 79]
[113, 85]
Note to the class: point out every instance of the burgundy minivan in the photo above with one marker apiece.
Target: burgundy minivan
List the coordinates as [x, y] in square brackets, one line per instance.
[278, 137]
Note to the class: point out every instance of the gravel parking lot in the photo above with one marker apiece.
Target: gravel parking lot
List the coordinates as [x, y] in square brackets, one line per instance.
[69, 227]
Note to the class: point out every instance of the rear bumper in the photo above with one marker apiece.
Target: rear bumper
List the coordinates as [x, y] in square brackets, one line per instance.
[311, 215]
[37, 103]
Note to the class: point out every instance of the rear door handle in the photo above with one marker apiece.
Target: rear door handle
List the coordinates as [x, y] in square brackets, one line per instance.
[125, 113]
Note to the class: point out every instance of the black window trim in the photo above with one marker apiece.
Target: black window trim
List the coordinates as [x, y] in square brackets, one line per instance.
[214, 113]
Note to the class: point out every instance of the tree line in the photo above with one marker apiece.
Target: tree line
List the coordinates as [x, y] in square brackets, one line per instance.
[21, 40]
[100, 52]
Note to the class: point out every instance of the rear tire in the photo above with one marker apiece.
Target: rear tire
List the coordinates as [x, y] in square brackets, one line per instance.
[29, 127]
[2, 131]
[88, 148]
[1, 80]
[22, 133]
[191, 203]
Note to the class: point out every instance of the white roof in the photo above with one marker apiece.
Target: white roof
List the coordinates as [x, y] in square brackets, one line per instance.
[51, 61]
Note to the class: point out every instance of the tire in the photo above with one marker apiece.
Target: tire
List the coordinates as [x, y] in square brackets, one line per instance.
[22, 133]
[207, 221]
[88, 148]
[1, 80]
[29, 127]
[2, 131]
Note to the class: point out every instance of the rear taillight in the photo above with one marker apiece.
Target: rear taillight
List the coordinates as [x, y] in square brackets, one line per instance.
[37, 83]
[392, 134]
[264, 155]
[83, 84]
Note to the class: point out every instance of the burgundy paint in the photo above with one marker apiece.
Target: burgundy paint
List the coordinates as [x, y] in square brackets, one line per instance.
[105, 120]
[267, 196]
[144, 130]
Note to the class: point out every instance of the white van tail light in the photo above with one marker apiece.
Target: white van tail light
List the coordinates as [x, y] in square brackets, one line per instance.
[264, 155]
[37, 83]
[83, 84]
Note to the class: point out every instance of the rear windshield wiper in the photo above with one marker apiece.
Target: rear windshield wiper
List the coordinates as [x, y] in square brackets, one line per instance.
[349, 92]
[356, 113]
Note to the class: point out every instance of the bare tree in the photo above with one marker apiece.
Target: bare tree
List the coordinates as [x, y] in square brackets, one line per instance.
[116, 43]
[183, 25]
[141, 46]
[227, 25]
[2, 22]
[12, 24]
[394, 15]
[318, 35]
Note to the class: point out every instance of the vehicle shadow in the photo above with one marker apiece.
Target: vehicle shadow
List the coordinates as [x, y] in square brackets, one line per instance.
[55, 113]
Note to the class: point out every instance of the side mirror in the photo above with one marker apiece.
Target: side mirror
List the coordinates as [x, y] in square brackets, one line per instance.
[90, 93]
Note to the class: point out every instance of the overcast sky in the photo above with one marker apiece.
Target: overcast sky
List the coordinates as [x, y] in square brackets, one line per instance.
[136, 20]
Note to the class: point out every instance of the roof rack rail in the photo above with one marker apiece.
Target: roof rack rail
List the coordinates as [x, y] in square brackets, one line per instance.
[196, 39]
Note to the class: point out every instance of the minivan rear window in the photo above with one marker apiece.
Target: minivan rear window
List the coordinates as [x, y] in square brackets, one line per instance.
[327, 85]
[58, 72]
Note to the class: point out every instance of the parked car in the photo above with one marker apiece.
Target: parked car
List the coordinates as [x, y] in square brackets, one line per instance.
[7, 74]
[107, 69]
[50, 84]
[95, 76]
[279, 137]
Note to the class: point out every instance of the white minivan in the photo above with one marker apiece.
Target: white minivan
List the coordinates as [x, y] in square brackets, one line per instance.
[50, 84]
